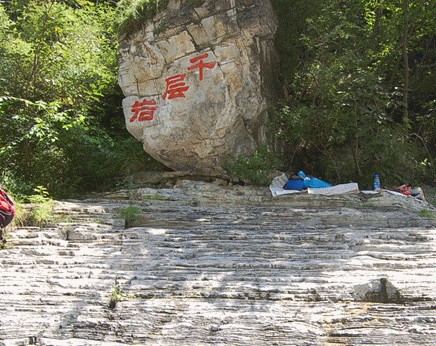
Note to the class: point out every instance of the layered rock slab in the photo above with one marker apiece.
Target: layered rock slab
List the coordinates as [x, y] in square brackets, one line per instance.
[207, 264]
[197, 81]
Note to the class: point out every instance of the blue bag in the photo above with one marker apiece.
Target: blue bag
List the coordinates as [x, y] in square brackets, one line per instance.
[295, 184]
[316, 183]
[313, 182]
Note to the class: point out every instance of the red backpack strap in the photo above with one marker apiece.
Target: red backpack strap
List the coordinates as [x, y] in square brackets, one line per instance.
[7, 209]
[6, 202]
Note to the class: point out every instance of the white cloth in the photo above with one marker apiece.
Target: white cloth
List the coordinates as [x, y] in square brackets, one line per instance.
[335, 190]
[277, 189]
[277, 184]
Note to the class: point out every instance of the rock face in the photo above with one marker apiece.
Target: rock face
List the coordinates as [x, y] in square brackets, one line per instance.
[197, 80]
[204, 264]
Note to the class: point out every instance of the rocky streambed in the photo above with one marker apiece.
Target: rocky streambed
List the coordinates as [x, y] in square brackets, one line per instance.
[202, 263]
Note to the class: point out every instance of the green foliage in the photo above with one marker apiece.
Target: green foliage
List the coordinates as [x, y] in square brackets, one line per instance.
[116, 297]
[35, 209]
[103, 162]
[130, 214]
[134, 13]
[56, 50]
[40, 196]
[256, 169]
[430, 194]
[60, 106]
[292, 23]
[343, 117]
[41, 211]
[427, 214]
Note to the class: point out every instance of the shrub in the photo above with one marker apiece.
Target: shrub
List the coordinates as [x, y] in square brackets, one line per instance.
[130, 214]
[42, 207]
[256, 169]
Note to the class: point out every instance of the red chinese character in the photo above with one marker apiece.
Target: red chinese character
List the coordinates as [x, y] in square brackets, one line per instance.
[176, 86]
[201, 65]
[143, 111]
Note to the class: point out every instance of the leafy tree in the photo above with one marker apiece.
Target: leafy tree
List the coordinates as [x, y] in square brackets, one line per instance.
[406, 54]
[59, 99]
[341, 119]
[292, 23]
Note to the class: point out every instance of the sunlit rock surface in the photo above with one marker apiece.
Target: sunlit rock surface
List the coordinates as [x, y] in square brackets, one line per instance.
[206, 264]
[197, 80]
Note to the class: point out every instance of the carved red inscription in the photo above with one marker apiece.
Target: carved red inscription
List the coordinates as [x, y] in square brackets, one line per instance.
[199, 64]
[143, 110]
[176, 86]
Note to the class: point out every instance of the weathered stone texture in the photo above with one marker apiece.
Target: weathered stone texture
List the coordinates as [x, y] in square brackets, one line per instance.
[207, 264]
[222, 109]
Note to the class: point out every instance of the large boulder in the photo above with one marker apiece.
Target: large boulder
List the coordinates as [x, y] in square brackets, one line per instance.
[197, 79]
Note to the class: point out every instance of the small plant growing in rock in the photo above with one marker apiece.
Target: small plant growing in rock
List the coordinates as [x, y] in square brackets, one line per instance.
[135, 12]
[130, 214]
[160, 28]
[427, 214]
[4, 244]
[156, 197]
[41, 211]
[117, 296]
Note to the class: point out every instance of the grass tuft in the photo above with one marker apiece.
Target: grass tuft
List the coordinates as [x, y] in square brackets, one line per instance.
[134, 13]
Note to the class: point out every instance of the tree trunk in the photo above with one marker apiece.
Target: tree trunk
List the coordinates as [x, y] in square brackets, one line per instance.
[406, 62]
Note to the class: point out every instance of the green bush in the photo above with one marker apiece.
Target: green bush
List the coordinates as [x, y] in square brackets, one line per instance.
[256, 169]
[36, 209]
[42, 212]
[130, 214]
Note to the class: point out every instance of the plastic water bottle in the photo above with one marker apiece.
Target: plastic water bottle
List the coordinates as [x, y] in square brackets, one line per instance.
[302, 175]
[377, 184]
